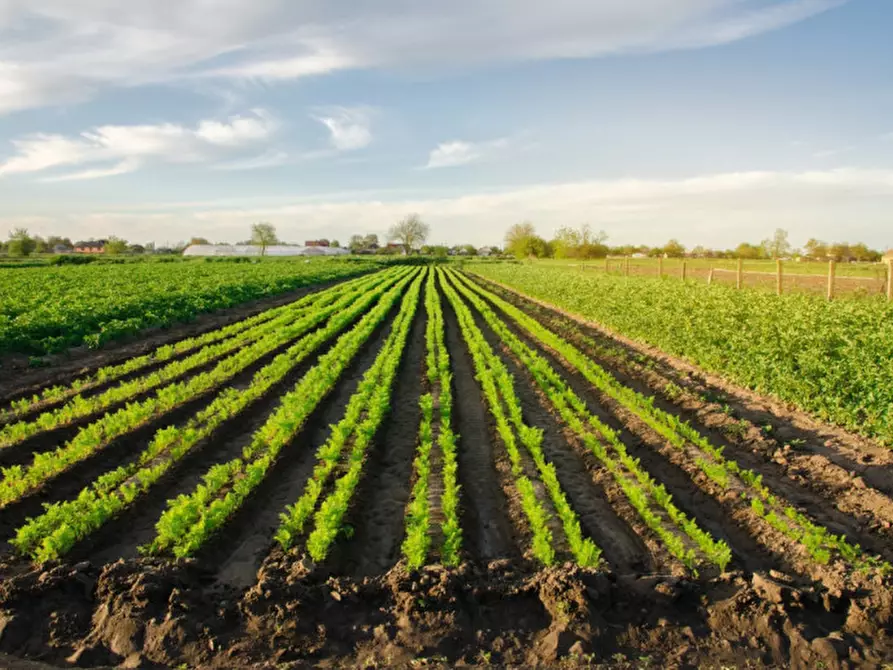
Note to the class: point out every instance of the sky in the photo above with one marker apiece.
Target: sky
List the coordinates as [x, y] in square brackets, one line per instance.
[709, 121]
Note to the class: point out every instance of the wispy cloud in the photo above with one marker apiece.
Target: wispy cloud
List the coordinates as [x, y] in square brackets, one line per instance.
[457, 152]
[350, 127]
[132, 146]
[59, 51]
[268, 159]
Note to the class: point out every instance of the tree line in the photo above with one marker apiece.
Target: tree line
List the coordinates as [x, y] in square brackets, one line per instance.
[522, 241]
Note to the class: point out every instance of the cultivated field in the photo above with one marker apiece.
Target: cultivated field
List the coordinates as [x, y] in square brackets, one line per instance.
[420, 467]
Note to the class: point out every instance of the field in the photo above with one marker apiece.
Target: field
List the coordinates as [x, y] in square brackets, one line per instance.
[46, 309]
[852, 280]
[420, 467]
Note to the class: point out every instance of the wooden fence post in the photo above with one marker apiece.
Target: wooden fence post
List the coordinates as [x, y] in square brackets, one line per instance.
[626, 266]
[660, 266]
[710, 277]
[739, 279]
[779, 277]
[607, 265]
[684, 268]
[890, 279]
[831, 272]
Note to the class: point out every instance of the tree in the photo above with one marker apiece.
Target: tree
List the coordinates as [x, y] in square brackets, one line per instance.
[411, 232]
[748, 251]
[115, 245]
[355, 243]
[263, 235]
[840, 251]
[815, 249]
[778, 245]
[20, 244]
[198, 240]
[370, 241]
[335, 244]
[673, 249]
[522, 241]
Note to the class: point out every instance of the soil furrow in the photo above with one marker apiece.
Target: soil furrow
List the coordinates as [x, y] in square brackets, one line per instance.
[378, 508]
[487, 529]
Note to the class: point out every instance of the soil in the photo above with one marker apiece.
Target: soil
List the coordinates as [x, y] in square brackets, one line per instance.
[244, 603]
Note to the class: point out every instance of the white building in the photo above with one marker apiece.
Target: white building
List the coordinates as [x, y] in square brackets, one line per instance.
[251, 250]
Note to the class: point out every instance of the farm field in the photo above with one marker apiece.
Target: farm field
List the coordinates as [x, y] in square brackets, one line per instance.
[417, 466]
[51, 308]
[852, 280]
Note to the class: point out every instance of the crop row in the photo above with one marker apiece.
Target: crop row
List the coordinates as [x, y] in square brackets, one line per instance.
[649, 498]
[80, 407]
[505, 408]
[110, 373]
[820, 543]
[63, 524]
[330, 516]
[19, 480]
[191, 519]
[434, 434]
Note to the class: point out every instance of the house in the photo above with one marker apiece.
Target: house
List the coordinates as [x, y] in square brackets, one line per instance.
[888, 257]
[91, 247]
[316, 243]
[484, 251]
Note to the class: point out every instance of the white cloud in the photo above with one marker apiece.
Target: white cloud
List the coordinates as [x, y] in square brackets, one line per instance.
[717, 210]
[59, 51]
[132, 146]
[268, 159]
[349, 127]
[457, 152]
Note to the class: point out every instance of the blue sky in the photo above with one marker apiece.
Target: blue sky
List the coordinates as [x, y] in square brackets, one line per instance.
[712, 121]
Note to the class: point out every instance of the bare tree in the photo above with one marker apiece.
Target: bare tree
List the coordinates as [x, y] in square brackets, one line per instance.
[411, 232]
[263, 235]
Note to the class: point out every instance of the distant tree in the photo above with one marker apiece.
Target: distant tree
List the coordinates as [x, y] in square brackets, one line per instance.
[469, 249]
[749, 251]
[115, 245]
[355, 243]
[673, 249]
[522, 241]
[815, 249]
[778, 245]
[335, 244]
[54, 241]
[370, 241]
[263, 235]
[411, 232]
[841, 252]
[700, 251]
[40, 245]
[198, 240]
[20, 243]
[136, 249]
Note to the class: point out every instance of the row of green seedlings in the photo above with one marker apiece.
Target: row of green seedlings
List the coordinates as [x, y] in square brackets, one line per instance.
[650, 499]
[193, 518]
[80, 407]
[63, 524]
[505, 408]
[819, 542]
[18, 480]
[365, 412]
[56, 394]
[434, 434]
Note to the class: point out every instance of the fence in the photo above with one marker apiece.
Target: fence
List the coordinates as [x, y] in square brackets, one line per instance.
[832, 284]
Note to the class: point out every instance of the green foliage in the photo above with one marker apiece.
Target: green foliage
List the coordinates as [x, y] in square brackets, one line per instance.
[828, 358]
[50, 308]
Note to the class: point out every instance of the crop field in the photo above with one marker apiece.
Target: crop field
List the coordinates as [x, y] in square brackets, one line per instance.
[419, 467]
